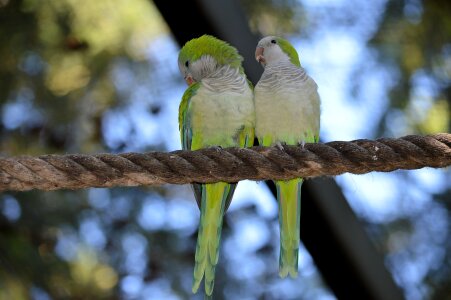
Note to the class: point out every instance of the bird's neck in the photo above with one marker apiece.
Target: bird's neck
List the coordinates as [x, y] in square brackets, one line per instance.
[226, 78]
[282, 72]
[278, 65]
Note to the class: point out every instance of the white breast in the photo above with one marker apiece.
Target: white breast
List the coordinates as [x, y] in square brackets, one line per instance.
[219, 115]
[287, 106]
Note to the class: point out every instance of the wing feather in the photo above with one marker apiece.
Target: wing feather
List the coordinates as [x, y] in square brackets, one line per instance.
[186, 132]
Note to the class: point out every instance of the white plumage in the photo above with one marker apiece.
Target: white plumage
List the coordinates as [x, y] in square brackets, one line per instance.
[222, 107]
[286, 103]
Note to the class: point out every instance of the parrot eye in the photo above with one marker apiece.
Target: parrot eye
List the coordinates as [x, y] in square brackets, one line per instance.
[187, 63]
[273, 41]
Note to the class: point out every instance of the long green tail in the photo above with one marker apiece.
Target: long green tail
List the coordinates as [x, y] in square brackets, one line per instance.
[214, 197]
[289, 197]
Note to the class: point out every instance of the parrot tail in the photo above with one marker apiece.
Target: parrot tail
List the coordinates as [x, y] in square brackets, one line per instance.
[289, 197]
[214, 198]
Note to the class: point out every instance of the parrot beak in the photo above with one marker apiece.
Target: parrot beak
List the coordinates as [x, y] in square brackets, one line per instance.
[259, 55]
[189, 79]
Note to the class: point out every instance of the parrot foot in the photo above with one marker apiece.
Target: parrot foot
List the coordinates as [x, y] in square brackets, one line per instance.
[279, 146]
[302, 144]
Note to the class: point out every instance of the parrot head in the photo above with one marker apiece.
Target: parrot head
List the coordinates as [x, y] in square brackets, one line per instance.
[202, 56]
[273, 49]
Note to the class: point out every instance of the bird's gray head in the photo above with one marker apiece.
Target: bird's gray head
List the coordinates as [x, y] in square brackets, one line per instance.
[195, 71]
[273, 49]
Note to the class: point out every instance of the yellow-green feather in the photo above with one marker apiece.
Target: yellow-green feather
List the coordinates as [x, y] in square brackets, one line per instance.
[289, 199]
[222, 52]
[289, 50]
[213, 197]
[207, 249]
[184, 120]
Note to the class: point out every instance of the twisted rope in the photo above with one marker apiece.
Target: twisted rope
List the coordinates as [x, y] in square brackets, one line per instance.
[74, 171]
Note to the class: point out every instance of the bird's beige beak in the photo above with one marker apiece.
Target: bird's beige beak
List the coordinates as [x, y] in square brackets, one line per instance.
[259, 55]
[189, 79]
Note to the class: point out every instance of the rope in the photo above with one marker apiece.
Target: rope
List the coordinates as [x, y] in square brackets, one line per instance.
[74, 171]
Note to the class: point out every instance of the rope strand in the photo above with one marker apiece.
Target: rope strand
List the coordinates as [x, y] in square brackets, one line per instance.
[75, 171]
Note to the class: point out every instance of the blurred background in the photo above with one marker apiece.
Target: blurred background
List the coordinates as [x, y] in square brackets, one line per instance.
[101, 76]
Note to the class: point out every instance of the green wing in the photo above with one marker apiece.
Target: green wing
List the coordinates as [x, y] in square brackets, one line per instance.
[186, 132]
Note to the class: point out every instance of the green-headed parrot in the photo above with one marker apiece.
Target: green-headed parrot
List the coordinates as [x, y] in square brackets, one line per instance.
[287, 109]
[217, 109]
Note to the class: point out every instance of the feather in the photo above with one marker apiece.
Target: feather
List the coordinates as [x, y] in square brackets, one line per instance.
[287, 106]
[289, 197]
[214, 197]
[217, 110]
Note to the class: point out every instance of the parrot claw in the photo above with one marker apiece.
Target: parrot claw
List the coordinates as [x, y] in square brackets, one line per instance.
[217, 148]
[301, 144]
[279, 146]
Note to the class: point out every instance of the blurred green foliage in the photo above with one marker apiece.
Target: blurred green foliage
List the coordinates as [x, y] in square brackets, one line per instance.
[415, 38]
[274, 17]
[55, 85]
[57, 56]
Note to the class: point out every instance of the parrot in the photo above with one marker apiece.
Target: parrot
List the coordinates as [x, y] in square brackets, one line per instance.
[217, 110]
[287, 112]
